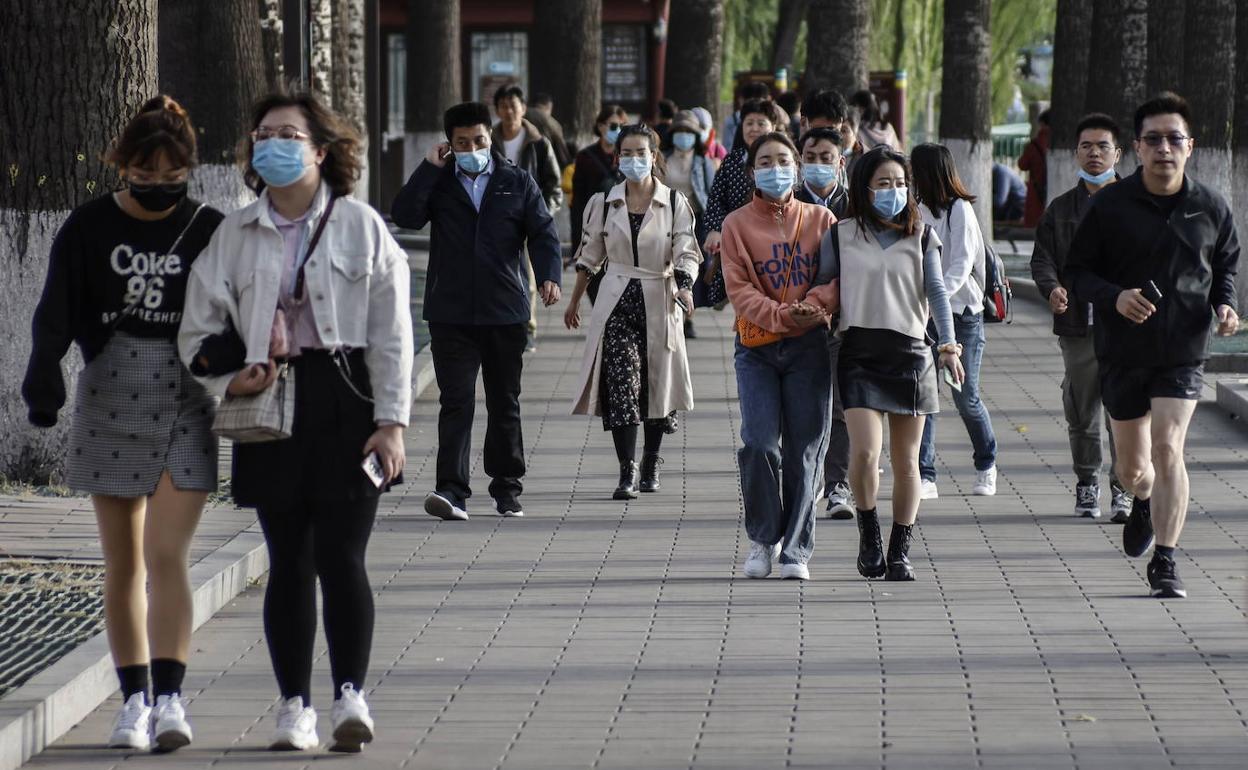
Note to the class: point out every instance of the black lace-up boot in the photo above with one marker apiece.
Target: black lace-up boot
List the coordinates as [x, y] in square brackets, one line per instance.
[899, 553]
[870, 546]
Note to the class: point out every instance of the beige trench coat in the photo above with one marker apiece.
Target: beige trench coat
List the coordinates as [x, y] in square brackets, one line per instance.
[663, 246]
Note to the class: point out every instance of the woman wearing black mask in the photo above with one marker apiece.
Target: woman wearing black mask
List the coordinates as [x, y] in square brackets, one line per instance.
[141, 441]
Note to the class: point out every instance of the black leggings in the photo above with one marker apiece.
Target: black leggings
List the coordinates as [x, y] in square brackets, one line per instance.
[324, 539]
[625, 439]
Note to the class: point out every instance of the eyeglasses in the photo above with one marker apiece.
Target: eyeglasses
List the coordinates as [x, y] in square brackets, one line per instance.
[1102, 147]
[1156, 140]
[614, 126]
[281, 132]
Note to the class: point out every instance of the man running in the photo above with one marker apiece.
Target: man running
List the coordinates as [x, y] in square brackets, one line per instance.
[1156, 256]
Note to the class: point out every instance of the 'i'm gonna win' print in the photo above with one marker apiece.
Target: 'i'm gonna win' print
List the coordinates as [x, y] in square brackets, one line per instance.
[771, 271]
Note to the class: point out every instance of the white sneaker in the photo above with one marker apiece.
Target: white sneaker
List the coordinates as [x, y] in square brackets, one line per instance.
[758, 563]
[353, 727]
[927, 490]
[170, 730]
[132, 728]
[296, 727]
[795, 571]
[443, 508]
[985, 482]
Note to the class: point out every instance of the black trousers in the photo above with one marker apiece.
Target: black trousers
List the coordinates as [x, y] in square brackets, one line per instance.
[460, 351]
[318, 538]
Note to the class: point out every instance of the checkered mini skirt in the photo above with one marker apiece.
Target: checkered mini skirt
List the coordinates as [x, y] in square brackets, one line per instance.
[138, 413]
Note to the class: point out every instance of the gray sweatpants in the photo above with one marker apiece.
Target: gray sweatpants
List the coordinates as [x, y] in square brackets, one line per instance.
[836, 460]
[1081, 400]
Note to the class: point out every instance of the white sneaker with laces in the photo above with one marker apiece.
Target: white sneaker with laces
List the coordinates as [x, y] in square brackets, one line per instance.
[840, 502]
[758, 563]
[170, 730]
[353, 726]
[1120, 503]
[795, 571]
[296, 727]
[927, 490]
[985, 482]
[132, 727]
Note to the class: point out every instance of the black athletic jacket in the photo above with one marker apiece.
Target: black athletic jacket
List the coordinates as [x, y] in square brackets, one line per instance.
[1124, 241]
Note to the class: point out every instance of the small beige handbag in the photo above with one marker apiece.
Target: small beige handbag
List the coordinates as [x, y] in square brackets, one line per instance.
[265, 416]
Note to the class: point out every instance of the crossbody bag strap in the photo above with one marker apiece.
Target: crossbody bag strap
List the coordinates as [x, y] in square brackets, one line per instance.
[316, 238]
[797, 236]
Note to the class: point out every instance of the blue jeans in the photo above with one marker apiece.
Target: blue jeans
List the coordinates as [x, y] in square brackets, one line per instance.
[969, 330]
[785, 391]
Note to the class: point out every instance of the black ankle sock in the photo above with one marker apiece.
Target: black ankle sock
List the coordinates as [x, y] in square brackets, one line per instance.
[654, 438]
[1164, 550]
[625, 442]
[167, 675]
[133, 679]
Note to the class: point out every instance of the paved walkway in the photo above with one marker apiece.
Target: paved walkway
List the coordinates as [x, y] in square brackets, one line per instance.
[608, 635]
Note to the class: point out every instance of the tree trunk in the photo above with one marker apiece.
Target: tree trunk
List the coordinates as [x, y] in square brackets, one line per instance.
[1165, 45]
[201, 46]
[1239, 136]
[1072, 47]
[433, 75]
[348, 75]
[838, 33]
[965, 103]
[1209, 85]
[271, 44]
[566, 61]
[694, 58]
[784, 42]
[101, 58]
[321, 17]
[1119, 58]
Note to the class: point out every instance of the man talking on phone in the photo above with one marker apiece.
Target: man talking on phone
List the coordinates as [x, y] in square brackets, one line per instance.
[483, 211]
[1156, 255]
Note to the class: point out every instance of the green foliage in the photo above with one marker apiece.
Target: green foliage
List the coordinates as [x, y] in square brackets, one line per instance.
[749, 28]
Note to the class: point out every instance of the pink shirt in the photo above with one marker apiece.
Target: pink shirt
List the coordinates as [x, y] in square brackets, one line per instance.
[301, 325]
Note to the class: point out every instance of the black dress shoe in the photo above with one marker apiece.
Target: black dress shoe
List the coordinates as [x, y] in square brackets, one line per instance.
[870, 546]
[1137, 535]
[899, 553]
[650, 472]
[627, 490]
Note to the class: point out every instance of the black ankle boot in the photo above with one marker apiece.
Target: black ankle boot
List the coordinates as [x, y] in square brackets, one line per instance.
[627, 490]
[650, 463]
[898, 553]
[870, 547]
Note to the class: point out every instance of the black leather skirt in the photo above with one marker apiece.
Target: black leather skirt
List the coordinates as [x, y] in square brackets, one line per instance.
[886, 371]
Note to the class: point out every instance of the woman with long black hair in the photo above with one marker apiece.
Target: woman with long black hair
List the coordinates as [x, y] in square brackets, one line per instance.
[141, 443]
[311, 280]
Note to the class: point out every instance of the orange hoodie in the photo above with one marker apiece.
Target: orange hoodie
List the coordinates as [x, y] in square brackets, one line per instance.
[756, 248]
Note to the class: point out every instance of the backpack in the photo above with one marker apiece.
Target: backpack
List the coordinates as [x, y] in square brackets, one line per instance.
[998, 295]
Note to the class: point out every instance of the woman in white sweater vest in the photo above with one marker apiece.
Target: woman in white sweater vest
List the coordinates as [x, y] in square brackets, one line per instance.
[888, 263]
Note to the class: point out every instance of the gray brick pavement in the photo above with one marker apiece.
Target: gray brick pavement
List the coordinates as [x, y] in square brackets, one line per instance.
[618, 635]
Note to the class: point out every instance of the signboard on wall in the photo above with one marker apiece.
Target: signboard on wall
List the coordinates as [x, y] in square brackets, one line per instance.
[623, 63]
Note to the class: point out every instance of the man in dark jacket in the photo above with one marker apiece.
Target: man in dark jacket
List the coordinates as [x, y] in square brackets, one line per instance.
[1156, 256]
[525, 147]
[541, 114]
[482, 212]
[1097, 150]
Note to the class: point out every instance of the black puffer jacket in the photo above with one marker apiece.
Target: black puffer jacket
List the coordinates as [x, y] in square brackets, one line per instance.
[1124, 241]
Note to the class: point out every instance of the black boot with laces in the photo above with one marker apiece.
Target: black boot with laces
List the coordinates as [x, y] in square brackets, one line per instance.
[899, 553]
[870, 545]
[650, 462]
[627, 490]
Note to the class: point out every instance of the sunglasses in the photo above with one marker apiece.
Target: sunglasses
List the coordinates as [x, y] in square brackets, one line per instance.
[1156, 140]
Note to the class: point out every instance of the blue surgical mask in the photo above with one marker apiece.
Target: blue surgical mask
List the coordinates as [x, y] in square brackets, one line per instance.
[683, 140]
[279, 162]
[776, 181]
[890, 201]
[635, 168]
[473, 162]
[612, 135]
[820, 175]
[1099, 179]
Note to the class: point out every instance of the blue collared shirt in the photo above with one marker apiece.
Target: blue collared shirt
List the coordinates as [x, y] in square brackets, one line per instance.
[475, 187]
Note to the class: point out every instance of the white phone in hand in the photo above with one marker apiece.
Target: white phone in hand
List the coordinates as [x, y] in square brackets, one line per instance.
[949, 379]
[372, 469]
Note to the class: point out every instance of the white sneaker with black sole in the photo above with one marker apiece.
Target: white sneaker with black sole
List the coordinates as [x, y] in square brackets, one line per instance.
[353, 726]
[296, 727]
[928, 490]
[133, 725]
[441, 507]
[758, 562]
[794, 571]
[170, 730]
[1088, 501]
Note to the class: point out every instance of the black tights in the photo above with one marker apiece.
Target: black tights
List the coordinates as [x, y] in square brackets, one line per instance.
[626, 439]
[325, 539]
